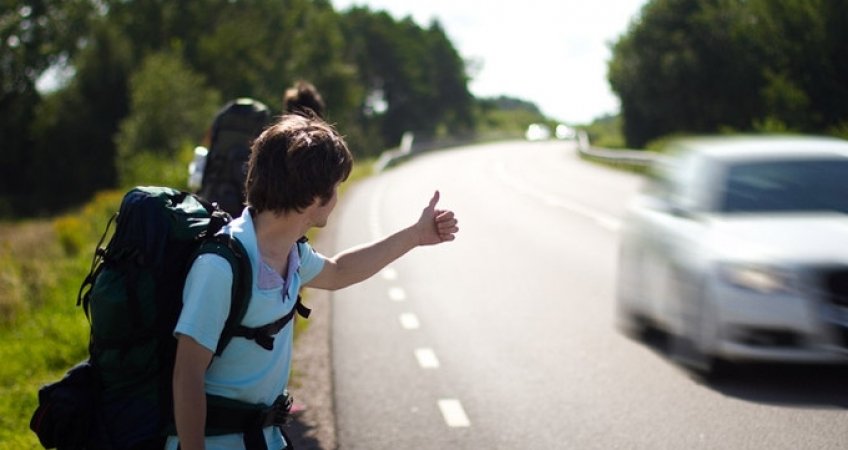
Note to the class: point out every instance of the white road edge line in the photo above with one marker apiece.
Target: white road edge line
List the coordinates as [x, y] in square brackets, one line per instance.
[397, 294]
[427, 358]
[453, 413]
[389, 274]
[409, 321]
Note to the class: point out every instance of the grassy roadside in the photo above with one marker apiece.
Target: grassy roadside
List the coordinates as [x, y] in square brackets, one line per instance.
[42, 332]
[623, 166]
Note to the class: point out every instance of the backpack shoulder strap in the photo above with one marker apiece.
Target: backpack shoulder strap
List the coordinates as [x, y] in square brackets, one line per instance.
[264, 335]
[302, 309]
[234, 252]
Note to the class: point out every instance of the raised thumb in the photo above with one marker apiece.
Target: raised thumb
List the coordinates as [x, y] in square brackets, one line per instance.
[434, 200]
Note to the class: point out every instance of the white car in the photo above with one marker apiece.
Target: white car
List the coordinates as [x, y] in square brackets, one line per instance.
[537, 132]
[738, 249]
[564, 131]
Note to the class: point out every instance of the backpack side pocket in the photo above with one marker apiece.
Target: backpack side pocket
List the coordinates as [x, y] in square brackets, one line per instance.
[66, 409]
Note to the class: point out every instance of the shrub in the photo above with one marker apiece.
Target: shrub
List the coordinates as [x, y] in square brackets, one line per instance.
[11, 286]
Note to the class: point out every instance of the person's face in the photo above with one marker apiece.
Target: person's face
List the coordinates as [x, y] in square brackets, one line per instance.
[321, 210]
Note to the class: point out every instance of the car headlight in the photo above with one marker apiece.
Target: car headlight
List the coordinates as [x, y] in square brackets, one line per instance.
[762, 279]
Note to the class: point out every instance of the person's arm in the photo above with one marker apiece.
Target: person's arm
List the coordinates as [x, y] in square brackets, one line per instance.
[189, 393]
[359, 263]
[206, 305]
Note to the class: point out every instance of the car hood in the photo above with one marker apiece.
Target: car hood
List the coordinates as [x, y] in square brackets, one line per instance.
[802, 238]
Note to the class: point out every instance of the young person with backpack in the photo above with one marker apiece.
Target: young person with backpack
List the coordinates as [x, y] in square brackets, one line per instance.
[221, 162]
[294, 171]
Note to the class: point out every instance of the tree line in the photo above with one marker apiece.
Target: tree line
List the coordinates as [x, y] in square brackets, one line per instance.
[140, 80]
[707, 66]
[143, 79]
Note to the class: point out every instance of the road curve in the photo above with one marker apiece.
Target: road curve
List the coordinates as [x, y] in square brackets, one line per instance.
[505, 337]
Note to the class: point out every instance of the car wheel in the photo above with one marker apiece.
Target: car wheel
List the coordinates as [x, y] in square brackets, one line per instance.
[631, 324]
[686, 352]
[628, 318]
[693, 345]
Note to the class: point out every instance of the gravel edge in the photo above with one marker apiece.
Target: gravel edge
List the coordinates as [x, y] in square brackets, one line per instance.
[312, 371]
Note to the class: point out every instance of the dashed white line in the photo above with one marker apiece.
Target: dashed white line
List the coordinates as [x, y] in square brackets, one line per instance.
[453, 413]
[427, 358]
[389, 274]
[397, 294]
[409, 321]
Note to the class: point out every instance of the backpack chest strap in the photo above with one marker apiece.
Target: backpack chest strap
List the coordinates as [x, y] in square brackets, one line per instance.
[264, 335]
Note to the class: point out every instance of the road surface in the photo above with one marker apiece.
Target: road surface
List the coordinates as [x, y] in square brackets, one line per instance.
[505, 339]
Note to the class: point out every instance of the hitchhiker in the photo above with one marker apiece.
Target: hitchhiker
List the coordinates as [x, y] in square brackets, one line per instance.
[295, 168]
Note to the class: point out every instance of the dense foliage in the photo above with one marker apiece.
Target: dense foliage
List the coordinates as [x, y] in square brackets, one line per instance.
[705, 66]
[139, 81]
[136, 83]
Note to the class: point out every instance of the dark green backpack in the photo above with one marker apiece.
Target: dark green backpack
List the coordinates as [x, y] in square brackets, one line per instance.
[133, 298]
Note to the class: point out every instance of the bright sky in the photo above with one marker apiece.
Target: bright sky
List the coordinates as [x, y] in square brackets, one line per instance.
[553, 53]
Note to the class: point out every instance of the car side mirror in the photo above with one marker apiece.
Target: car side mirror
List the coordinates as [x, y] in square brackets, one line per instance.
[677, 210]
[667, 206]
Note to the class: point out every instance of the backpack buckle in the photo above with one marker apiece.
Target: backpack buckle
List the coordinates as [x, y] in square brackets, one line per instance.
[279, 414]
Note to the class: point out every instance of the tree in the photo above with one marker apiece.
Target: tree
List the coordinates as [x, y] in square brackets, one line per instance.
[34, 35]
[805, 72]
[452, 103]
[59, 147]
[73, 130]
[684, 67]
[413, 78]
[507, 115]
[171, 106]
[702, 66]
[313, 48]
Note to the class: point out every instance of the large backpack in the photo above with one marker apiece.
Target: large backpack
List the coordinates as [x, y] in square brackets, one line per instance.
[233, 130]
[120, 398]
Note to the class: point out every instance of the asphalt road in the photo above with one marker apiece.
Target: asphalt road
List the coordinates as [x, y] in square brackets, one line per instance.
[504, 339]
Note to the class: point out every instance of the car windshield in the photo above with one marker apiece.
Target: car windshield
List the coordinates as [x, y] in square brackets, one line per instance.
[786, 186]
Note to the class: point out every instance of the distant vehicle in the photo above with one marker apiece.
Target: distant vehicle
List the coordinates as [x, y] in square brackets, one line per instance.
[564, 131]
[537, 132]
[738, 249]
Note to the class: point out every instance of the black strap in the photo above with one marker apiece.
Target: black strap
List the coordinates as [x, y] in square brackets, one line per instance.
[217, 216]
[88, 282]
[242, 281]
[264, 335]
[254, 439]
[226, 417]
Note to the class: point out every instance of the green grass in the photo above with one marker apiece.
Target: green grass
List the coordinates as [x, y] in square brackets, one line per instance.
[623, 166]
[42, 331]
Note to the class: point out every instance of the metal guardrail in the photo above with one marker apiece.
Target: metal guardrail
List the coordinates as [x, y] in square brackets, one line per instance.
[624, 156]
[389, 156]
[409, 147]
[629, 157]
